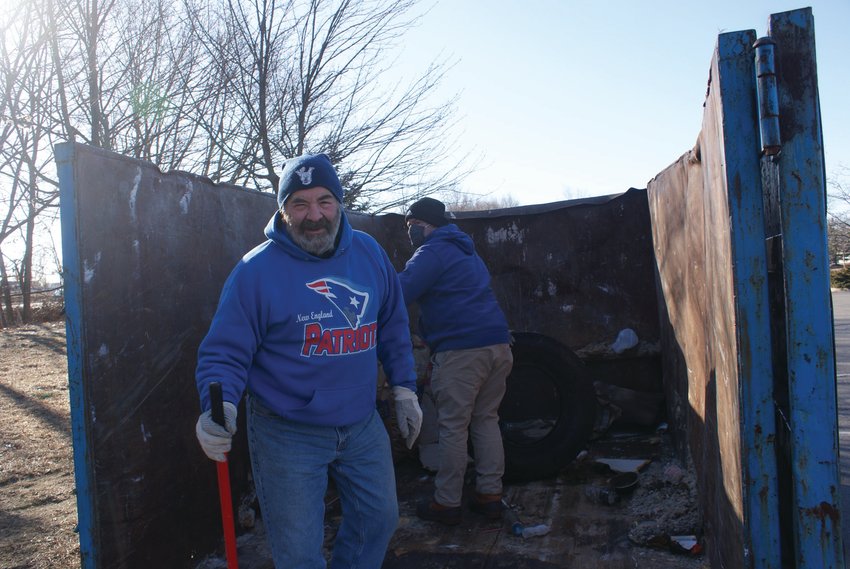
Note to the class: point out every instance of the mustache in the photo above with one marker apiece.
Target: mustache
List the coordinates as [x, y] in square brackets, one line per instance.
[323, 223]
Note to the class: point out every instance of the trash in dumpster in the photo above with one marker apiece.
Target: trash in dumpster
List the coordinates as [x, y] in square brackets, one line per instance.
[626, 339]
[602, 494]
[624, 483]
[624, 464]
[520, 529]
[685, 543]
[530, 531]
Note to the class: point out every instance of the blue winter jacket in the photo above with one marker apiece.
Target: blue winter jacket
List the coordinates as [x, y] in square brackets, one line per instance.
[457, 307]
[304, 334]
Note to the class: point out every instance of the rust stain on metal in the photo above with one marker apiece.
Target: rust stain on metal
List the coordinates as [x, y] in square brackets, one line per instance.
[824, 511]
[757, 279]
[811, 261]
[824, 358]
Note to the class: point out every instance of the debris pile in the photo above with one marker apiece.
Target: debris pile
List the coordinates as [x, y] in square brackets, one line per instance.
[665, 505]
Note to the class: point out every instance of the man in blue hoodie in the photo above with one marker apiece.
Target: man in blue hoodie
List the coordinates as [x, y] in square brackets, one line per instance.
[302, 321]
[466, 330]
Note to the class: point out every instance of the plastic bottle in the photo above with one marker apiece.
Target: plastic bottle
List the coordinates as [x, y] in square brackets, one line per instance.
[602, 495]
[529, 531]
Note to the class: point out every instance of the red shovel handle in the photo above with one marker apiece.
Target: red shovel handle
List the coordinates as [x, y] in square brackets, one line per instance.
[217, 412]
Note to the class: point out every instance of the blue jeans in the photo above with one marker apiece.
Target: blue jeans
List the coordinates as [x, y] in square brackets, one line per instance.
[291, 463]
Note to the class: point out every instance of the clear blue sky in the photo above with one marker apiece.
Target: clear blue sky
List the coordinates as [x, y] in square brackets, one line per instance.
[570, 99]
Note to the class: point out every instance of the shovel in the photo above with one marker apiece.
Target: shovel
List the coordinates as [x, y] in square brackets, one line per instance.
[217, 412]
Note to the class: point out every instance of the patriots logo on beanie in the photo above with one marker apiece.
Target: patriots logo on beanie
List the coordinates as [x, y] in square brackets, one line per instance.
[305, 172]
[306, 175]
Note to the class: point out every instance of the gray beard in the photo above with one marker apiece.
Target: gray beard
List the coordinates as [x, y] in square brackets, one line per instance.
[318, 245]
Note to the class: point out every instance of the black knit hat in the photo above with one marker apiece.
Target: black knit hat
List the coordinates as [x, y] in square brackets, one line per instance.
[308, 171]
[428, 210]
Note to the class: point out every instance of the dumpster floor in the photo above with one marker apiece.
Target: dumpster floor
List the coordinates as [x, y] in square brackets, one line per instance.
[644, 528]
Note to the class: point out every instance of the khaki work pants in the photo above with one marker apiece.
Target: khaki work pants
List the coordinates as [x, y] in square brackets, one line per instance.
[468, 387]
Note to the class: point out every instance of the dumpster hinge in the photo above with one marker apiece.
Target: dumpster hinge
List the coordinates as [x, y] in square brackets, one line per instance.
[768, 98]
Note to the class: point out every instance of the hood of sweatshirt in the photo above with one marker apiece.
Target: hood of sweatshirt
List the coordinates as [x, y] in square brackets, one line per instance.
[451, 235]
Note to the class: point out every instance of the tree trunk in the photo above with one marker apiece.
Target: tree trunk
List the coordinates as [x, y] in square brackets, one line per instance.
[26, 270]
[94, 88]
[7, 314]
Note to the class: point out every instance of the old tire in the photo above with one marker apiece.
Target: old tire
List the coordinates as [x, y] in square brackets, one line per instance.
[547, 414]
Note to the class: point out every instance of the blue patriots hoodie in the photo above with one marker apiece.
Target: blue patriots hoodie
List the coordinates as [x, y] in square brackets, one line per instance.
[458, 309]
[304, 334]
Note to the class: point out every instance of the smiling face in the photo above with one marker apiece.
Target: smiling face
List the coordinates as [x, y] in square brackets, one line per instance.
[312, 219]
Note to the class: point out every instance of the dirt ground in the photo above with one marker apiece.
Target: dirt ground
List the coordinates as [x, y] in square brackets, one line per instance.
[38, 509]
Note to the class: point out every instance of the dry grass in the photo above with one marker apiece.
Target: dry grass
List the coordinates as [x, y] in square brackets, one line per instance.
[37, 503]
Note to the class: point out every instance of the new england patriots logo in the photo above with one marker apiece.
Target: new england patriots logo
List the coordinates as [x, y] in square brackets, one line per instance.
[352, 303]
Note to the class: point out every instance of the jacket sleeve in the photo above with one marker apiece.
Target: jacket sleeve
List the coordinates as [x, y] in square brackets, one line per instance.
[395, 348]
[227, 351]
[420, 274]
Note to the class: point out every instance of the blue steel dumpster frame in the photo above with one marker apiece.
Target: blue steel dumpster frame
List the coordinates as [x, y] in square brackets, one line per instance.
[800, 213]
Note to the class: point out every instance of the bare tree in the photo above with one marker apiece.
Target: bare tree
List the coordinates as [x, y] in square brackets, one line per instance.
[472, 202]
[838, 214]
[28, 193]
[244, 42]
[142, 71]
[120, 74]
[838, 187]
[310, 76]
[838, 237]
[224, 88]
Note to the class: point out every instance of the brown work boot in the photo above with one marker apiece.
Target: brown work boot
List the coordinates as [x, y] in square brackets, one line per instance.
[434, 512]
[489, 505]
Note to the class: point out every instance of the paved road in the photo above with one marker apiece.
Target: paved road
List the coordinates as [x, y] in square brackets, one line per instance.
[841, 320]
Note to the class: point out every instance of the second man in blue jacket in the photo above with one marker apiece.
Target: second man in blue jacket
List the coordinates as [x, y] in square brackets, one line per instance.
[468, 335]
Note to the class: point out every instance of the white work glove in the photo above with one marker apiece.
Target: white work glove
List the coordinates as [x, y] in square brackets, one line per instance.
[407, 413]
[215, 439]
